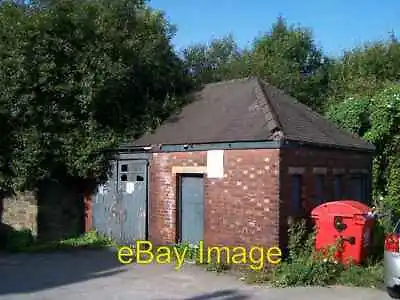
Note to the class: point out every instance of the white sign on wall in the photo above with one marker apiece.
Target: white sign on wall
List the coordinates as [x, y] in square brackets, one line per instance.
[215, 163]
[130, 187]
[101, 190]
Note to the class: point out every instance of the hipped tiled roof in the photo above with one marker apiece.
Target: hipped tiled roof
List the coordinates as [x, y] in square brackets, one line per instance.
[248, 110]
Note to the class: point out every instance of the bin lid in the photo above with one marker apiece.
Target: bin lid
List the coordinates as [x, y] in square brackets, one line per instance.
[345, 208]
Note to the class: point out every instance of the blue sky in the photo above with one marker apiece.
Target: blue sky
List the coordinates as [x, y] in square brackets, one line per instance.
[337, 24]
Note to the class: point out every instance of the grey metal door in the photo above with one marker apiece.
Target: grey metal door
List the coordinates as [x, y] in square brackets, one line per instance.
[120, 206]
[192, 209]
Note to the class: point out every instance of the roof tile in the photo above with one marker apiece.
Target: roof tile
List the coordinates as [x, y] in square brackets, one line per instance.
[247, 109]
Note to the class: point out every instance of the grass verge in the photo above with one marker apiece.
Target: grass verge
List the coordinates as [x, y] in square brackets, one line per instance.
[20, 241]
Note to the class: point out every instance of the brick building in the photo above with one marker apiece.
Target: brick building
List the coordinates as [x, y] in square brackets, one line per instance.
[231, 167]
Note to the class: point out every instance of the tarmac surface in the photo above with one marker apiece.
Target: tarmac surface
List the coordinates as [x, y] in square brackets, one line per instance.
[98, 275]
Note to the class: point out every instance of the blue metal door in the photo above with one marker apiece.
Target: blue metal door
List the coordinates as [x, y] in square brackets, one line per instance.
[192, 209]
[120, 206]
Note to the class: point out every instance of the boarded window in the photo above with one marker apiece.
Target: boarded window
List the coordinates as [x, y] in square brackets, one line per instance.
[366, 188]
[338, 187]
[360, 186]
[319, 188]
[296, 192]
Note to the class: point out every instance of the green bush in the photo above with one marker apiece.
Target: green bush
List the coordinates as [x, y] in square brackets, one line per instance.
[301, 241]
[192, 252]
[378, 241]
[19, 240]
[24, 241]
[370, 275]
[306, 266]
[89, 240]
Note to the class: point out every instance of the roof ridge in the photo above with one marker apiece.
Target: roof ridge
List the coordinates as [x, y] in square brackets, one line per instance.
[306, 111]
[222, 82]
[277, 129]
[327, 122]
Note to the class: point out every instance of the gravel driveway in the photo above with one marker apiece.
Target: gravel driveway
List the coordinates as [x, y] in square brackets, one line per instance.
[98, 275]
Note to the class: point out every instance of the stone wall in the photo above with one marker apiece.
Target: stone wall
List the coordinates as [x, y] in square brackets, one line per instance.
[55, 212]
[21, 211]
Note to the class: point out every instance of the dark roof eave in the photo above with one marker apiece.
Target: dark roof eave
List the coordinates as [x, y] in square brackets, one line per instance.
[133, 145]
[283, 142]
[367, 149]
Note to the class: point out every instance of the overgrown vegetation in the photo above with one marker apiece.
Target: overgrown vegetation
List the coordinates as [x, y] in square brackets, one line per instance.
[359, 90]
[79, 77]
[377, 119]
[305, 266]
[24, 241]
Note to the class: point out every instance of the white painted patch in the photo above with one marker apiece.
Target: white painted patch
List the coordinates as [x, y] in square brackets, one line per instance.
[130, 187]
[215, 163]
[102, 190]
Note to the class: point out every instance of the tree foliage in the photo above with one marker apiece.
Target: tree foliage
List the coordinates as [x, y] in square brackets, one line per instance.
[76, 77]
[287, 57]
[377, 119]
[358, 90]
[220, 59]
[364, 70]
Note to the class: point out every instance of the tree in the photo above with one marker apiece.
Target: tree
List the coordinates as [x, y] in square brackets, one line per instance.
[377, 119]
[364, 70]
[220, 59]
[76, 78]
[288, 58]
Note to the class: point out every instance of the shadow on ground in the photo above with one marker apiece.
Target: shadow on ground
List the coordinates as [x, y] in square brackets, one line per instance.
[224, 294]
[23, 273]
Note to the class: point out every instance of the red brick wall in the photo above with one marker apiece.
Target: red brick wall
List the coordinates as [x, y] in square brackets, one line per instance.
[311, 158]
[252, 202]
[240, 208]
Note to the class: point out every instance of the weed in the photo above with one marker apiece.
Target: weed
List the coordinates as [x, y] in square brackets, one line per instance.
[24, 241]
[217, 267]
[305, 266]
[362, 276]
[18, 240]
